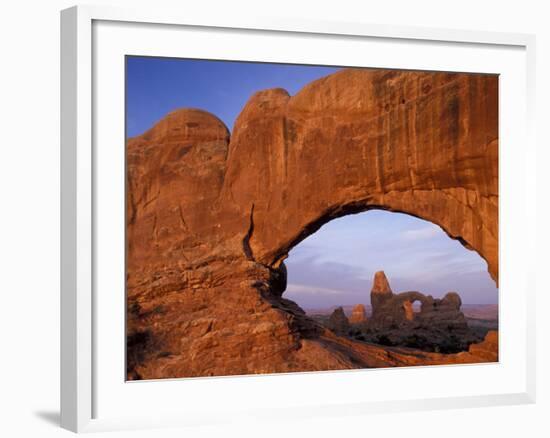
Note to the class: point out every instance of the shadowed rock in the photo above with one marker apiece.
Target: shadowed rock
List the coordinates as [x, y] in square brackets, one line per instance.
[338, 322]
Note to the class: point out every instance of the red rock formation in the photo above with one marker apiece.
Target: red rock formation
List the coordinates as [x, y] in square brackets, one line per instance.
[338, 322]
[381, 291]
[358, 314]
[415, 142]
[210, 220]
[439, 325]
[487, 350]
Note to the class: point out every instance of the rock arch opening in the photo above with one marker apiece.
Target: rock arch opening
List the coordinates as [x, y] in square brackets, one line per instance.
[335, 276]
[410, 308]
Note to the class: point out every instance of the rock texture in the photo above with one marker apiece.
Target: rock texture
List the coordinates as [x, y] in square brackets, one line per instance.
[380, 293]
[210, 219]
[338, 322]
[438, 326]
[358, 314]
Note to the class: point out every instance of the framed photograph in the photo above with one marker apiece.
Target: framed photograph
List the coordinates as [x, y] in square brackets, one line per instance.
[253, 208]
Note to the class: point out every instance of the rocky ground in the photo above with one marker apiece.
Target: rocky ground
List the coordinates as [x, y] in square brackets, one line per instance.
[481, 318]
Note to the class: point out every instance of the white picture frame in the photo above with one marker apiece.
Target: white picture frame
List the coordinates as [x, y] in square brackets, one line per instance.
[82, 171]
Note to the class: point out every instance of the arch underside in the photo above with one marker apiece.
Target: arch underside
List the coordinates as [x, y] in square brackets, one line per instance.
[420, 143]
[275, 258]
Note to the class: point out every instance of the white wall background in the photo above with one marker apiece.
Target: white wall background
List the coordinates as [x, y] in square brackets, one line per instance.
[29, 216]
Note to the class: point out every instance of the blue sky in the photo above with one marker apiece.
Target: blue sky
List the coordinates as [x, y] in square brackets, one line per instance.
[335, 265]
[156, 86]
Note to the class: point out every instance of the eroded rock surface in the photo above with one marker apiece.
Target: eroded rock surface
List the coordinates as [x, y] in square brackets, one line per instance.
[211, 218]
[338, 322]
[380, 293]
[438, 325]
[358, 314]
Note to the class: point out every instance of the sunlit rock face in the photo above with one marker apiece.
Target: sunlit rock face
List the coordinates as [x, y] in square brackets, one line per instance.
[358, 314]
[380, 293]
[211, 218]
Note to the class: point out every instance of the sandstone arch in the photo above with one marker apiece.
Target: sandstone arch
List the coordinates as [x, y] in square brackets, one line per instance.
[425, 144]
[211, 216]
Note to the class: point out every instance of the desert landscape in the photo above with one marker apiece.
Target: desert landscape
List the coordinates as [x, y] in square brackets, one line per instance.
[436, 325]
[212, 215]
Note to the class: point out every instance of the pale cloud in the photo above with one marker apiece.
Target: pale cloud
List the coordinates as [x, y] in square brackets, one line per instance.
[311, 290]
[427, 232]
[336, 264]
